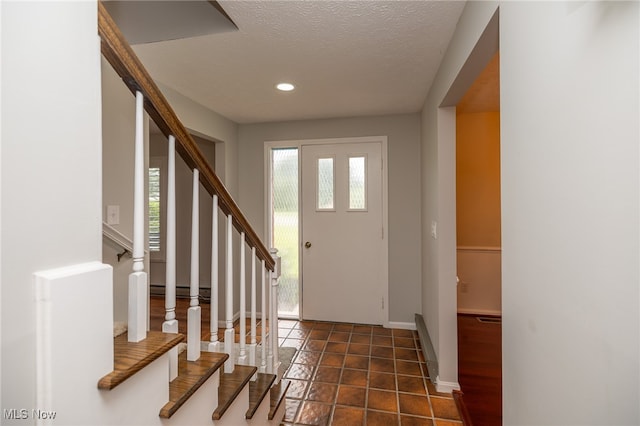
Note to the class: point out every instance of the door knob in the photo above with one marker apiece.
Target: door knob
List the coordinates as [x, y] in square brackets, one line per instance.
[307, 244]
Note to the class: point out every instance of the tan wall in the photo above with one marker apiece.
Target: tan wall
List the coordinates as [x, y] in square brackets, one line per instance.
[478, 212]
[478, 179]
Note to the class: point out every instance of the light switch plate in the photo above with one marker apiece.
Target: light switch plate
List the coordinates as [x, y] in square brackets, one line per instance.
[113, 215]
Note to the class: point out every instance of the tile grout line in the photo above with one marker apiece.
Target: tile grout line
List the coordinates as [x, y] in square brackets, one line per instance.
[395, 371]
[343, 366]
[366, 392]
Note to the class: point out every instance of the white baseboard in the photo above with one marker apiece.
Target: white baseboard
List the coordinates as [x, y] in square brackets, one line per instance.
[448, 387]
[480, 312]
[401, 325]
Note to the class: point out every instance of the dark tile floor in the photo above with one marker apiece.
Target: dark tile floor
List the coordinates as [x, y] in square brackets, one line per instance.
[347, 374]
[351, 374]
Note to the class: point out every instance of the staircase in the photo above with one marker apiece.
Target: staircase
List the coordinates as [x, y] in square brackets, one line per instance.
[172, 378]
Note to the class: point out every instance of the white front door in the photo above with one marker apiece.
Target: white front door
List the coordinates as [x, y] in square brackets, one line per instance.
[343, 241]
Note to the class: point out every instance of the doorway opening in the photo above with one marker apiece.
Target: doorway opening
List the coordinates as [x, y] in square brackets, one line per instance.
[479, 251]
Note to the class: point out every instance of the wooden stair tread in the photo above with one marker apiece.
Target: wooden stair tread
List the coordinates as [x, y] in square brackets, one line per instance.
[277, 395]
[231, 384]
[130, 357]
[191, 375]
[257, 391]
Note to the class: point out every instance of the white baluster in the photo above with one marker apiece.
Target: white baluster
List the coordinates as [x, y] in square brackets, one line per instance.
[263, 321]
[170, 325]
[229, 335]
[272, 324]
[137, 321]
[273, 330]
[242, 358]
[214, 344]
[253, 344]
[194, 313]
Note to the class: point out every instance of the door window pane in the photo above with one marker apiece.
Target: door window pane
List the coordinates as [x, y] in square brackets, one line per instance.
[357, 183]
[325, 184]
[285, 227]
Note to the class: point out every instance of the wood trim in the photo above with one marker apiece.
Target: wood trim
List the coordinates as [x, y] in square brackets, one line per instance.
[191, 376]
[277, 396]
[257, 391]
[130, 357]
[481, 249]
[479, 314]
[458, 397]
[124, 61]
[231, 384]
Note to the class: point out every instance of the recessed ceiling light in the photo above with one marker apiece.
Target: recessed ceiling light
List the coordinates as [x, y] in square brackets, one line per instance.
[285, 87]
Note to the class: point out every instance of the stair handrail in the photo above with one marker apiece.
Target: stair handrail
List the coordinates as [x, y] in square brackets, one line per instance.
[125, 62]
[117, 237]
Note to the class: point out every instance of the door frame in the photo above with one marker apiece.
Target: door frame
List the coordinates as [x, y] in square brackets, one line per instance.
[299, 143]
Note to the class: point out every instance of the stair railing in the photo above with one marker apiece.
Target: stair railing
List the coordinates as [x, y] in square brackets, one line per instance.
[148, 97]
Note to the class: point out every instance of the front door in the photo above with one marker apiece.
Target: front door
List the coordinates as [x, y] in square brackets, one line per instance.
[342, 233]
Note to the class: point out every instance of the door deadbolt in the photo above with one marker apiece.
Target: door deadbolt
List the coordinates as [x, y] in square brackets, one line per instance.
[307, 244]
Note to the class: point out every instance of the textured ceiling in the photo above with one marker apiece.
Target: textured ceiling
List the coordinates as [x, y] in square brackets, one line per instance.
[346, 58]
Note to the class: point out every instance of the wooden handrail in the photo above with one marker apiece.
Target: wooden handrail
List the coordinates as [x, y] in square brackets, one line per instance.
[124, 61]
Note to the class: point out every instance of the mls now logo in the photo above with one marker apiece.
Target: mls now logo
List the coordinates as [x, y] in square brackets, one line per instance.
[23, 414]
[41, 415]
[15, 413]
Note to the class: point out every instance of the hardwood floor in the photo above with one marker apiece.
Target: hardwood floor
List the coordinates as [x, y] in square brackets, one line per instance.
[480, 369]
[182, 305]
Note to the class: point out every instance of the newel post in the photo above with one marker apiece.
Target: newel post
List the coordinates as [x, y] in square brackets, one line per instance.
[137, 322]
[273, 324]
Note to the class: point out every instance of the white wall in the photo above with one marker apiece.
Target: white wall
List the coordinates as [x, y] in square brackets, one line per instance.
[570, 132]
[51, 174]
[404, 189]
[204, 122]
[455, 75]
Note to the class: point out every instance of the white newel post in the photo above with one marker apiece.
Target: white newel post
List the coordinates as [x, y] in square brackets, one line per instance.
[252, 345]
[170, 324]
[229, 335]
[242, 357]
[214, 344]
[263, 320]
[137, 321]
[194, 314]
[273, 329]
